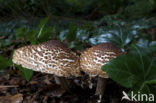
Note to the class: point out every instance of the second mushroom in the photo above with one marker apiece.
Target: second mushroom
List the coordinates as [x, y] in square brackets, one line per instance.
[93, 58]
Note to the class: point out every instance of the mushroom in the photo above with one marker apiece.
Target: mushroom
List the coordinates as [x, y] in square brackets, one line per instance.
[93, 58]
[51, 57]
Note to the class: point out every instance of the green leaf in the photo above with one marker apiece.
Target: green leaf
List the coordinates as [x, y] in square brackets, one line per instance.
[10, 59]
[71, 34]
[121, 36]
[132, 71]
[26, 73]
[139, 8]
[76, 45]
[3, 62]
[43, 22]
[41, 26]
[151, 82]
[145, 47]
[152, 2]
[31, 36]
[46, 34]
[20, 32]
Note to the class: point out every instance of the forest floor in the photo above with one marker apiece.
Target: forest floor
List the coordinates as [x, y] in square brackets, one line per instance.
[43, 89]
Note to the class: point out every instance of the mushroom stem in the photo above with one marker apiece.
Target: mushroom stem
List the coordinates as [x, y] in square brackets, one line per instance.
[101, 84]
[63, 82]
[90, 82]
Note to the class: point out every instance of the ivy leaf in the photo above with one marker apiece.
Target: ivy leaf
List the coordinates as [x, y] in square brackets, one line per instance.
[26, 73]
[121, 37]
[145, 47]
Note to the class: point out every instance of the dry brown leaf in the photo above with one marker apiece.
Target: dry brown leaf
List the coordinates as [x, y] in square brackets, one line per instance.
[18, 98]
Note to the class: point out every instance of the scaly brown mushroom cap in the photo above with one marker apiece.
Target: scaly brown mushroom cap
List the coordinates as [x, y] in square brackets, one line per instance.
[51, 57]
[93, 58]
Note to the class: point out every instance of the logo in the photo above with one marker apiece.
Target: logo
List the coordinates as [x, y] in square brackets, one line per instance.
[138, 96]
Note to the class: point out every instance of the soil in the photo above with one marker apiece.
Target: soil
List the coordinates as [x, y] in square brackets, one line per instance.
[43, 89]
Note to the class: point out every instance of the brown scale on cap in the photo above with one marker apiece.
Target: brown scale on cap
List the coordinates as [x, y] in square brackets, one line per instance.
[51, 57]
[93, 58]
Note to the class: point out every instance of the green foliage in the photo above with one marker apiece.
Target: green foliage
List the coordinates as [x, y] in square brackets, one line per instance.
[138, 8]
[71, 34]
[19, 7]
[20, 32]
[4, 63]
[152, 2]
[33, 35]
[135, 71]
[144, 46]
[26, 73]
[122, 37]
[43, 23]
[130, 70]
[27, 35]
[78, 36]
[91, 9]
[44, 33]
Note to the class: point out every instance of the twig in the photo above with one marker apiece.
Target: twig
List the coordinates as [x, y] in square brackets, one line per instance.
[8, 86]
